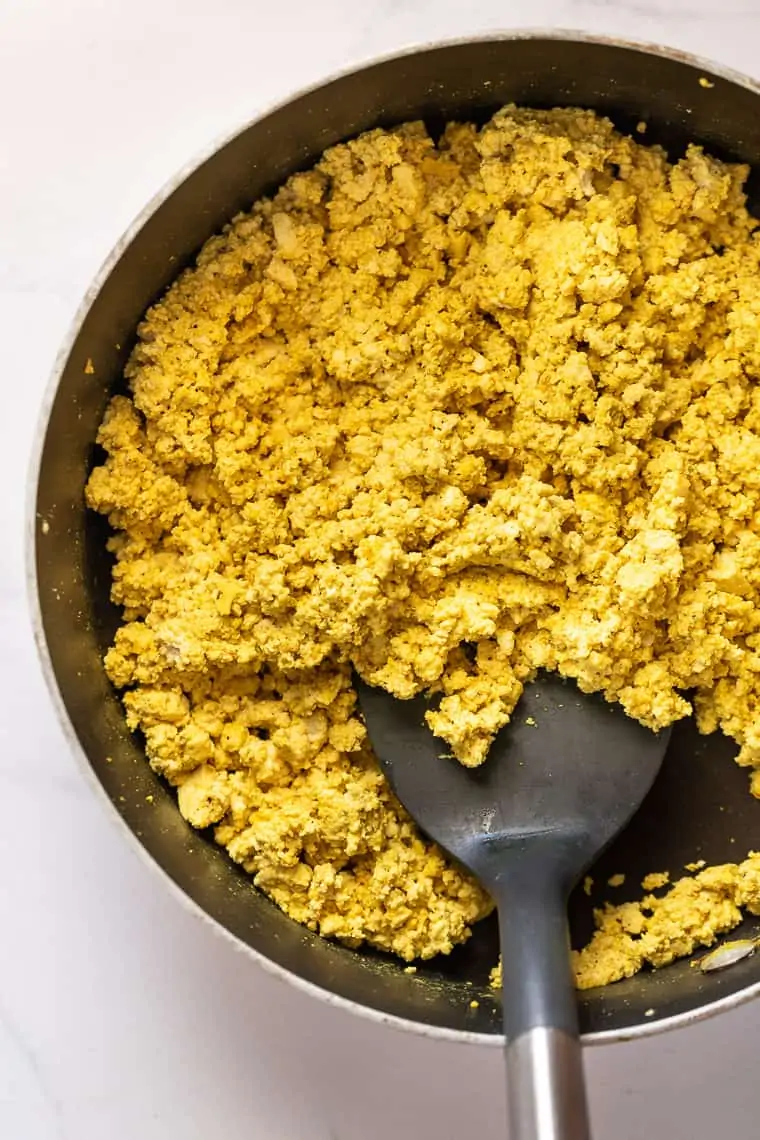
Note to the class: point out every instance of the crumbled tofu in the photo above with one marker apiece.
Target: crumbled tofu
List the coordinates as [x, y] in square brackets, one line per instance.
[655, 880]
[694, 912]
[446, 412]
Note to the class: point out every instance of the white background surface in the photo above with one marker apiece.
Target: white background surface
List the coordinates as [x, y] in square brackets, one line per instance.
[120, 1014]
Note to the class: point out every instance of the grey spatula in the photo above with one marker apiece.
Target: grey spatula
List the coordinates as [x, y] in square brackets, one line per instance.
[560, 781]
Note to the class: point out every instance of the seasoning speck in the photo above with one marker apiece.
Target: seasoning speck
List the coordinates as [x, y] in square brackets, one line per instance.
[89, 367]
[531, 721]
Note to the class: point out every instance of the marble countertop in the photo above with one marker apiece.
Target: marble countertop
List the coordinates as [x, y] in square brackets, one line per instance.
[120, 1014]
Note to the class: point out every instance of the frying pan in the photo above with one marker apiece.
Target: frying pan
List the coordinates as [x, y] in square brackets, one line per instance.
[700, 806]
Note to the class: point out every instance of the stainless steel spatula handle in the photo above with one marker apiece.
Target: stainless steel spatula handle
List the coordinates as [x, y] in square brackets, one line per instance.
[545, 1090]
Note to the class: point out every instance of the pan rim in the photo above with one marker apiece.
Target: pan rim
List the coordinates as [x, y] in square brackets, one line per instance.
[646, 1029]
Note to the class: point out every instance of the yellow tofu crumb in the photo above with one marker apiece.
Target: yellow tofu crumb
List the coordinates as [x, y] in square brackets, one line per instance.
[616, 880]
[588, 885]
[446, 412]
[655, 880]
[705, 82]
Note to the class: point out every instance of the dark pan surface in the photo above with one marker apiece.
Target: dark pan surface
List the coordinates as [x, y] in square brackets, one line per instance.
[700, 806]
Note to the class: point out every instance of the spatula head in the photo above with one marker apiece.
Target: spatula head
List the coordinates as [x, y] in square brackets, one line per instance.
[568, 771]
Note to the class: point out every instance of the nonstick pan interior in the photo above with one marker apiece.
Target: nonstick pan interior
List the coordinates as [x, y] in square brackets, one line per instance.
[700, 806]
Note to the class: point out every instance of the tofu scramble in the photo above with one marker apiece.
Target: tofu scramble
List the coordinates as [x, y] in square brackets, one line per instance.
[446, 412]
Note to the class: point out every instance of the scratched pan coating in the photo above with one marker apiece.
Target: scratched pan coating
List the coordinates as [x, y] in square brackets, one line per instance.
[700, 806]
